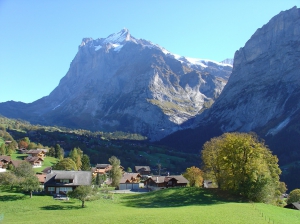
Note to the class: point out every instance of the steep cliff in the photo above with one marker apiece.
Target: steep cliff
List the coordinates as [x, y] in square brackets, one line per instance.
[263, 91]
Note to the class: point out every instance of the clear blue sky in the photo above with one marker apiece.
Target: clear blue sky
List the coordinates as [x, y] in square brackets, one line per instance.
[39, 38]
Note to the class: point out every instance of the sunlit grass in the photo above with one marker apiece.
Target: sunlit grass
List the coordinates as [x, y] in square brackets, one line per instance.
[181, 205]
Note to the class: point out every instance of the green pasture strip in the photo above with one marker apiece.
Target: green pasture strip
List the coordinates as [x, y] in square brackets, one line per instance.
[17, 156]
[181, 205]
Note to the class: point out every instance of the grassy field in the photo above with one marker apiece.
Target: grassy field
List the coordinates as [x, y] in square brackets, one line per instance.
[181, 205]
[48, 161]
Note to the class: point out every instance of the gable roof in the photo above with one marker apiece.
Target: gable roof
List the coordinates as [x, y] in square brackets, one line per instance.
[33, 159]
[78, 177]
[129, 177]
[295, 205]
[6, 158]
[41, 177]
[36, 151]
[161, 179]
[47, 170]
[16, 163]
[102, 166]
[180, 179]
[142, 168]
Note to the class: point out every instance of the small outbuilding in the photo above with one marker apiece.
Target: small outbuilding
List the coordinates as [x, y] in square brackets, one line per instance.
[295, 205]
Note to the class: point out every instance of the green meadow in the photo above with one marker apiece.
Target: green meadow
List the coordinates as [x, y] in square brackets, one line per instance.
[177, 205]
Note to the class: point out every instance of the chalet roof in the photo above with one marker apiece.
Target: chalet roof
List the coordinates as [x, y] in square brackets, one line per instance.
[47, 170]
[16, 163]
[128, 177]
[36, 151]
[33, 159]
[142, 168]
[78, 177]
[6, 158]
[295, 205]
[102, 166]
[41, 177]
[161, 179]
[44, 150]
[180, 179]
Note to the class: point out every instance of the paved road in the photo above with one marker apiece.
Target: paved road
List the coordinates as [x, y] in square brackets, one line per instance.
[129, 191]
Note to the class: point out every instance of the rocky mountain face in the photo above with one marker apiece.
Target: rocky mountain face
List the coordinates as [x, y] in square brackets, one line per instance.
[121, 83]
[263, 91]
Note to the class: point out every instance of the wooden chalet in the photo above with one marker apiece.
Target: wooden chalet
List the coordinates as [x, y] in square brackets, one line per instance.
[130, 181]
[4, 161]
[143, 170]
[61, 181]
[37, 153]
[161, 182]
[103, 169]
[35, 161]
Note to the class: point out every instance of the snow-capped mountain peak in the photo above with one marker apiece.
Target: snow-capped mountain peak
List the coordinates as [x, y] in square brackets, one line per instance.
[118, 38]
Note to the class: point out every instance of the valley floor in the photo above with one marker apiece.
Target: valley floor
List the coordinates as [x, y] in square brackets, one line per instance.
[181, 205]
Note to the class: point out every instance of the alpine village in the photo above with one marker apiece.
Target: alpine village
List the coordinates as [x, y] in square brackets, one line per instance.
[136, 134]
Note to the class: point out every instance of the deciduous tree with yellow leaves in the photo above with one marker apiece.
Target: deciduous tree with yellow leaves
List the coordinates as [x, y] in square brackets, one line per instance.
[242, 164]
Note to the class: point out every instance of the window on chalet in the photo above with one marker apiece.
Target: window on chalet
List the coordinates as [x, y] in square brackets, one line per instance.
[65, 189]
[66, 181]
[51, 188]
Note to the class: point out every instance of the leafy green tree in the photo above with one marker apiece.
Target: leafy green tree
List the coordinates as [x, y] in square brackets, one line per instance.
[194, 175]
[11, 148]
[2, 149]
[242, 164]
[32, 145]
[115, 172]
[65, 164]
[294, 196]
[59, 152]
[30, 183]
[129, 170]
[51, 152]
[76, 154]
[85, 161]
[82, 193]
[9, 179]
[24, 170]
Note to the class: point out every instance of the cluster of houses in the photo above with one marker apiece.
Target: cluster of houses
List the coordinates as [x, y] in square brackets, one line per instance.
[60, 181]
[35, 157]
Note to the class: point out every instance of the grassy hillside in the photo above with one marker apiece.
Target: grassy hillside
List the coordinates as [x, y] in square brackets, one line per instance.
[48, 161]
[181, 205]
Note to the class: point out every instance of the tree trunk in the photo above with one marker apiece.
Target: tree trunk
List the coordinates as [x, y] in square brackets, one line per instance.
[30, 194]
[82, 205]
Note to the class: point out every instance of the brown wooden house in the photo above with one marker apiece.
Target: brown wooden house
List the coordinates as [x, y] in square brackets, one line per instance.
[35, 161]
[161, 182]
[4, 161]
[37, 153]
[130, 181]
[143, 170]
